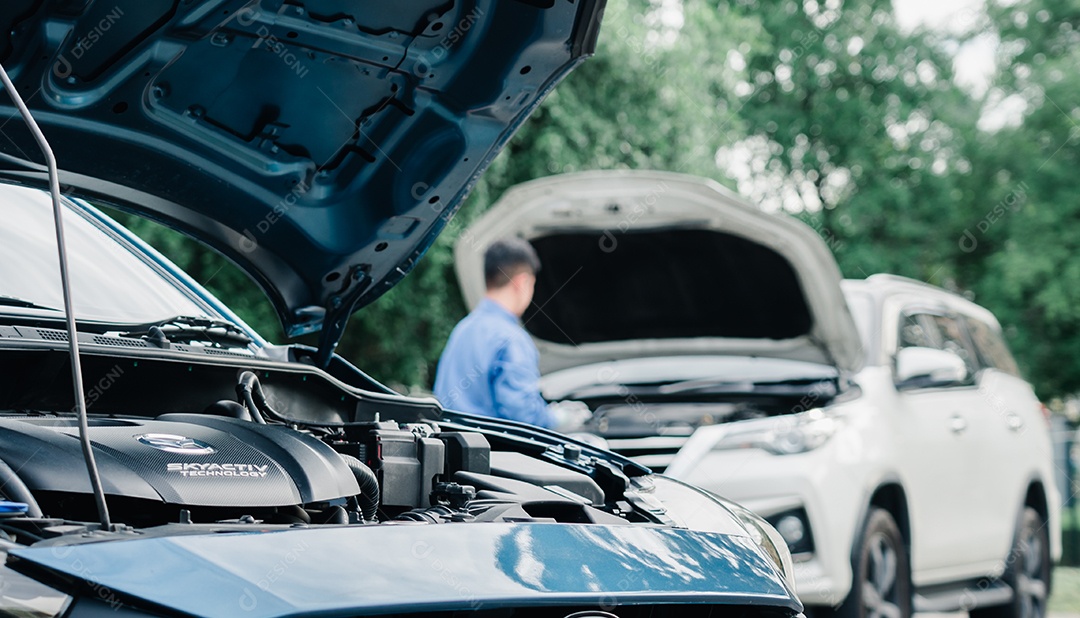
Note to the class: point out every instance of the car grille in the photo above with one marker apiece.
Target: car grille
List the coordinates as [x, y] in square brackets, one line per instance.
[654, 452]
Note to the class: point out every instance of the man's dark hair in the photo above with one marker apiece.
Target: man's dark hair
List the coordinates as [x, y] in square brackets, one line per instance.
[507, 258]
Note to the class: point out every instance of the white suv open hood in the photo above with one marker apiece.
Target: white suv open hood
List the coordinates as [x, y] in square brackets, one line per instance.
[643, 263]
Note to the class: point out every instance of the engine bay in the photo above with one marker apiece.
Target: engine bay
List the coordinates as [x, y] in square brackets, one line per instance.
[242, 460]
[642, 411]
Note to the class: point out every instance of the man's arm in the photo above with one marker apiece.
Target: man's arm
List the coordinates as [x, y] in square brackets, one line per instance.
[515, 384]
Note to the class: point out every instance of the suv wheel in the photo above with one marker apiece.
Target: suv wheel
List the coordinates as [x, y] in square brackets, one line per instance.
[1027, 571]
[882, 577]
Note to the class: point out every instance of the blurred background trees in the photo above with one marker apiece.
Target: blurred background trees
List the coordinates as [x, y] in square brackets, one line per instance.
[833, 111]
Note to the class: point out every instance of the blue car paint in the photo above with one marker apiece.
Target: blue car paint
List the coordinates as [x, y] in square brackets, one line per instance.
[341, 571]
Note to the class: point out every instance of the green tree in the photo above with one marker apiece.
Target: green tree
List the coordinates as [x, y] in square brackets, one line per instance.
[857, 126]
[1026, 263]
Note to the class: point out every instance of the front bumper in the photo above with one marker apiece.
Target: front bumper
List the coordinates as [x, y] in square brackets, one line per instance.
[770, 484]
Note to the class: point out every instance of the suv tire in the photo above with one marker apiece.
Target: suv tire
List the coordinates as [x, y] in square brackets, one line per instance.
[881, 583]
[1027, 571]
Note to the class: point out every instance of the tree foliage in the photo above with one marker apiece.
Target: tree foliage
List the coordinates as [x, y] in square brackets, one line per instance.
[854, 124]
[1025, 266]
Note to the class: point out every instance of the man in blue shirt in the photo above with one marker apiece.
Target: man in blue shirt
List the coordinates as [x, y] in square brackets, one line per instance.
[490, 365]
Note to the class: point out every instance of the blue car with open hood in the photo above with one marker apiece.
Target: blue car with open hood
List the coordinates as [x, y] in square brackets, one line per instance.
[321, 145]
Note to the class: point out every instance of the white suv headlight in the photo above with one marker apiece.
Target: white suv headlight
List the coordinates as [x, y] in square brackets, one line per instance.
[785, 435]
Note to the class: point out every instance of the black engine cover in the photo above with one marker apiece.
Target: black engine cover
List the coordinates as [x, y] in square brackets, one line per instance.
[182, 459]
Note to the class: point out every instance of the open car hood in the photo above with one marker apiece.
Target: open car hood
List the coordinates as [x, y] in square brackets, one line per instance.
[319, 146]
[646, 264]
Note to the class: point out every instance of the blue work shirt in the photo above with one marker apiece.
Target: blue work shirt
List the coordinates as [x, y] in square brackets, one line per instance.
[491, 367]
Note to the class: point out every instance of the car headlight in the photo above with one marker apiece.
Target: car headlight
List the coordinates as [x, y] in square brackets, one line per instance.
[767, 538]
[785, 435]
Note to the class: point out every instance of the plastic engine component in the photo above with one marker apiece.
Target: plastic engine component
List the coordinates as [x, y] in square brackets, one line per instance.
[181, 459]
[405, 463]
[521, 467]
[466, 452]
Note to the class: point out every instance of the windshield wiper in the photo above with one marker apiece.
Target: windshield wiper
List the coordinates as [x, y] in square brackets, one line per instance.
[190, 328]
[12, 301]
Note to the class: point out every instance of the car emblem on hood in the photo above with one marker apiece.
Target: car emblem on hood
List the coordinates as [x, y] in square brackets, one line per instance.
[175, 444]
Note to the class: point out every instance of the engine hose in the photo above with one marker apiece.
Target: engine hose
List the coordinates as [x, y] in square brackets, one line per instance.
[249, 391]
[14, 488]
[369, 486]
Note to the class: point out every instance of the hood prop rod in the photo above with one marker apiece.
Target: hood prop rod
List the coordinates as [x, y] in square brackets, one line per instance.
[337, 315]
[73, 340]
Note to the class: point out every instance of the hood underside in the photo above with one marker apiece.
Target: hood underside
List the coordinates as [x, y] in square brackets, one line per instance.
[319, 146]
[648, 264]
[450, 567]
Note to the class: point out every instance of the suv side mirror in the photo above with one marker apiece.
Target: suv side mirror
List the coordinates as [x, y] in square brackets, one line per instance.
[925, 367]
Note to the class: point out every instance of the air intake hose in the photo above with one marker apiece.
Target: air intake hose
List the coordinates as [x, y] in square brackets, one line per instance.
[369, 486]
[250, 393]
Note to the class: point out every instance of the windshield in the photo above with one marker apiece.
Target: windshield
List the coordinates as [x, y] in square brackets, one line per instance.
[108, 282]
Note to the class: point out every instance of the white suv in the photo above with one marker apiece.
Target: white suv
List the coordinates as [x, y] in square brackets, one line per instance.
[880, 425]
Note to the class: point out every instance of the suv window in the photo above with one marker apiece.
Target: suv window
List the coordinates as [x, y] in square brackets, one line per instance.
[991, 347]
[954, 340]
[917, 330]
[941, 332]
